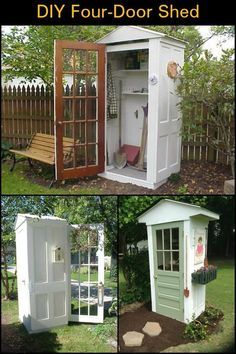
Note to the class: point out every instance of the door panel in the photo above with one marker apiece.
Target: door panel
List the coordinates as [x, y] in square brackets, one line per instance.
[49, 279]
[79, 108]
[87, 274]
[168, 272]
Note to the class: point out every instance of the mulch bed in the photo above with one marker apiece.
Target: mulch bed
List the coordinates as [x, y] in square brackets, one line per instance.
[195, 178]
[171, 335]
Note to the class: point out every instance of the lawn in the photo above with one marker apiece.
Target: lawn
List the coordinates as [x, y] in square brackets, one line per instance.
[75, 337]
[220, 294]
[17, 183]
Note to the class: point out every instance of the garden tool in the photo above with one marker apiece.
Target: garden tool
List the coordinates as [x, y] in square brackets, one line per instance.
[143, 139]
[186, 290]
[119, 158]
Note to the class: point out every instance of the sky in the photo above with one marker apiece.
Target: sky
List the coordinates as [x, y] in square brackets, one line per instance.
[212, 44]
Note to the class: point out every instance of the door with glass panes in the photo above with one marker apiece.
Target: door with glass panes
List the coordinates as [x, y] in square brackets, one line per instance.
[87, 273]
[168, 269]
[79, 109]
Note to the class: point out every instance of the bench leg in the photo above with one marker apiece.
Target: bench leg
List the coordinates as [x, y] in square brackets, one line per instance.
[30, 162]
[14, 162]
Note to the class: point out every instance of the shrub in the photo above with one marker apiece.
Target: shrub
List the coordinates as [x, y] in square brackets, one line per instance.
[136, 272]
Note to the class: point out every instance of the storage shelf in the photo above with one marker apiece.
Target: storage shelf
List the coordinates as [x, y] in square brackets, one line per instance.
[135, 93]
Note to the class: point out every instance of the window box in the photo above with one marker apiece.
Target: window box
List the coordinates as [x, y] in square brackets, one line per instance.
[204, 275]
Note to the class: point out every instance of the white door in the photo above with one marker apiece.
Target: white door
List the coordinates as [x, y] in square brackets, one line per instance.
[87, 273]
[48, 285]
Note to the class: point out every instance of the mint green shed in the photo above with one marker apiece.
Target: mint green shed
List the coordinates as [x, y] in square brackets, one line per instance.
[177, 244]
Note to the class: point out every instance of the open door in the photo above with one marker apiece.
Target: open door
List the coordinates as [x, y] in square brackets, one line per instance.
[79, 109]
[87, 273]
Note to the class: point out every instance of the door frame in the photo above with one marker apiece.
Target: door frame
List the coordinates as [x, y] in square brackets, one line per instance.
[100, 308]
[60, 172]
[154, 275]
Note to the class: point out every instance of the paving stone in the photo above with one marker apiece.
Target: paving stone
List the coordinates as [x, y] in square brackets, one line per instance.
[229, 187]
[133, 339]
[153, 329]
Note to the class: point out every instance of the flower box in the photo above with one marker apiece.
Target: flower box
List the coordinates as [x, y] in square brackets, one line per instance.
[204, 275]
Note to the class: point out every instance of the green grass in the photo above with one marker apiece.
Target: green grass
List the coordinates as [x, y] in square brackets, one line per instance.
[74, 337]
[220, 294]
[17, 183]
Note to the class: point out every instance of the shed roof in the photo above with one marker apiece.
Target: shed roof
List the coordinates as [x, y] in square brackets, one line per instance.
[134, 33]
[168, 210]
[23, 217]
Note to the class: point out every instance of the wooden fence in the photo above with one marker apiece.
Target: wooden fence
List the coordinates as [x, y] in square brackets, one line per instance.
[26, 110]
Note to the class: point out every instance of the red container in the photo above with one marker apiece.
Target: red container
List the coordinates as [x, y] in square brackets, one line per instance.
[132, 153]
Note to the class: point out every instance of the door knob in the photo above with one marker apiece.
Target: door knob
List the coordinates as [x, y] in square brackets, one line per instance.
[155, 276]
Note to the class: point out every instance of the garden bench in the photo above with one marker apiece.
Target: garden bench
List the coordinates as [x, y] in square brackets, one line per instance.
[42, 148]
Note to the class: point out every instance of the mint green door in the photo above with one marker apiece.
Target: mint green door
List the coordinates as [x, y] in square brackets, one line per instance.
[168, 269]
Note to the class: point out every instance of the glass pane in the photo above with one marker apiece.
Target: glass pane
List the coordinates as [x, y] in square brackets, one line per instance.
[83, 274]
[160, 260]
[80, 133]
[93, 300]
[94, 273]
[83, 257]
[79, 109]
[80, 60]
[175, 261]
[167, 260]
[67, 110]
[80, 156]
[68, 132]
[68, 152]
[92, 85]
[74, 300]
[167, 239]
[75, 272]
[91, 132]
[68, 59]
[159, 240]
[80, 84]
[91, 109]
[67, 82]
[75, 258]
[175, 238]
[93, 237]
[92, 61]
[92, 155]
[93, 256]
[83, 304]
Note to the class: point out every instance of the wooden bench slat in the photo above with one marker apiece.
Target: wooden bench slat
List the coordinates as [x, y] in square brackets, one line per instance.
[35, 156]
[41, 148]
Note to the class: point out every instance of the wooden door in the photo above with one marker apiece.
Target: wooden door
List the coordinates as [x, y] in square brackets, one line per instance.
[169, 269]
[87, 274]
[79, 109]
[48, 279]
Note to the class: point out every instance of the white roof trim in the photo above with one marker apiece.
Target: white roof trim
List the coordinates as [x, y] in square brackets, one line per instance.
[30, 216]
[201, 211]
[143, 31]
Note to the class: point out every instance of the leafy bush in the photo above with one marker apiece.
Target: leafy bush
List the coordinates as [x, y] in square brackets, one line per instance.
[106, 329]
[195, 330]
[136, 272]
[174, 177]
[198, 328]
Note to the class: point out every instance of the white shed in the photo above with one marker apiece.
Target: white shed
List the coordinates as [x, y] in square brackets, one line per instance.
[123, 99]
[177, 243]
[49, 295]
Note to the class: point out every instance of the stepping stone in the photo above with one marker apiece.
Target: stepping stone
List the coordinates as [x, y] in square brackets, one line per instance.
[133, 339]
[153, 329]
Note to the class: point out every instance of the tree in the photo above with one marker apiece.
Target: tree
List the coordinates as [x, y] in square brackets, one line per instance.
[210, 82]
[28, 51]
